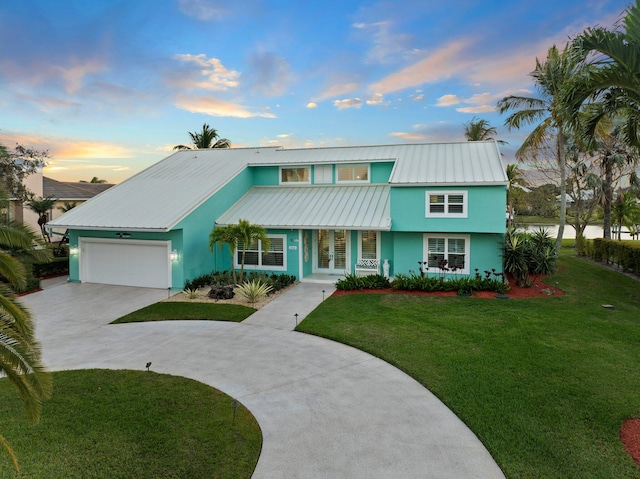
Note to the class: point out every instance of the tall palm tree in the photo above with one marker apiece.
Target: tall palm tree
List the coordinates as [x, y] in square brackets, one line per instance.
[612, 75]
[247, 234]
[225, 235]
[548, 113]
[207, 138]
[480, 130]
[20, 359]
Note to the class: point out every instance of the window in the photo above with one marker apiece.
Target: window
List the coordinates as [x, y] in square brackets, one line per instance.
[322, 174]
[295, 175]
[351, 173]
[368, 245]
[450, 252]
[256, 258]
[446, 204]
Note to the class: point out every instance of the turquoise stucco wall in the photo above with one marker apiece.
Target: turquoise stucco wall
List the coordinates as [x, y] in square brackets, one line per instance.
[485, 251]
[486, 210]
[270, 175]
[195, 254]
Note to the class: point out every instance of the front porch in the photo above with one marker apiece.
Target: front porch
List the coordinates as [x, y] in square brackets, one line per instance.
[321, 278]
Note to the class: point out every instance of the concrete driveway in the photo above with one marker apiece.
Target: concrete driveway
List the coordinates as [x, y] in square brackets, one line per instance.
[326, 410]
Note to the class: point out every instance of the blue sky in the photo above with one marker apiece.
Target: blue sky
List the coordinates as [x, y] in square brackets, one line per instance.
[109, 87]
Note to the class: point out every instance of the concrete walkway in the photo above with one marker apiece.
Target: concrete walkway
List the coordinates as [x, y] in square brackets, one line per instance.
[326, 410]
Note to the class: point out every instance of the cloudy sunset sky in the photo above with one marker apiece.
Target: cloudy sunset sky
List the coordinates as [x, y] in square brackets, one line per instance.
[110, 86]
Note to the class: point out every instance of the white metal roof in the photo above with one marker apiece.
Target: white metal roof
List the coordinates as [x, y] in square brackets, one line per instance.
[158, 198]
[317, 207]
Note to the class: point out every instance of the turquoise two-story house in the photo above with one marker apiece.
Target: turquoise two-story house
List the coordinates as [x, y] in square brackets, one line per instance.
[328, 212]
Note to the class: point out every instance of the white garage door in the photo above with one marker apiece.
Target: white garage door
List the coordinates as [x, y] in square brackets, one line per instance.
[125, 262]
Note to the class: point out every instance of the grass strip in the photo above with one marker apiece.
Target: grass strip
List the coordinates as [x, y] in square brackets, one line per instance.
[545, 383]
[123, 424]
[165, 311]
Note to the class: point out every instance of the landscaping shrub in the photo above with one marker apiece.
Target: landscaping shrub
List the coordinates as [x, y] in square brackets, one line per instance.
[57, 266]
[352, 282]
[621, 253]
[528, 253]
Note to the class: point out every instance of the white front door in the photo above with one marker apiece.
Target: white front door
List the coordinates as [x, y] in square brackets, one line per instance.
[331, 251]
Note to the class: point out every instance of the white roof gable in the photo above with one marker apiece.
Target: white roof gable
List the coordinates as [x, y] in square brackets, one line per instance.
[158, 198]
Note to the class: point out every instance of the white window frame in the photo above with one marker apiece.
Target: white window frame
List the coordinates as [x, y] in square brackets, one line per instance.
[447, 237]
[237, 261]
[353, 165]
[446, 194]
[294, 167]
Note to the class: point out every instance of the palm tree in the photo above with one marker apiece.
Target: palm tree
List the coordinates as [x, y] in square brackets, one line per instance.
[480, 130]
[225, 235]
[67, 206]
[42, 206]
[515, 178]
[20, 359]
[612, 75]
[247, 234]
[207, 138]
[551, 77]
[625, 211]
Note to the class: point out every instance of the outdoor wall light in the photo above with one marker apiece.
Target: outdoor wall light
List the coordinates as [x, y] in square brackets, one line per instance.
[173, 256]
[73, 250]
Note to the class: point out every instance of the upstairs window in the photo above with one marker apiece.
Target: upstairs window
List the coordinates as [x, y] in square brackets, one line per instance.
[446, 204]
[353, 173]
[295, 174]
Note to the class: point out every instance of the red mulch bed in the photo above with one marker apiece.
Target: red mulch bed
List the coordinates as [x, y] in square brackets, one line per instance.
[537, 290]
[630, 437]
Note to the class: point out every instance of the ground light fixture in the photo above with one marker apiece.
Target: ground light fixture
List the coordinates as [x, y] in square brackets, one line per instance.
[148, 366]
[234, 405]
[296, 316]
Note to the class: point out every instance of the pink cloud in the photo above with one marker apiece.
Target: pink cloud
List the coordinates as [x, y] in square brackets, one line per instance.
[214, 107]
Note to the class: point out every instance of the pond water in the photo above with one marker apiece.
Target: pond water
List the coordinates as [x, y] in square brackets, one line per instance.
[590, 232]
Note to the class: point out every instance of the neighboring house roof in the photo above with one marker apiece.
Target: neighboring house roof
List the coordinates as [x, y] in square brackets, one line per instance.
[316, 207]
[64, 190]
[158, 198]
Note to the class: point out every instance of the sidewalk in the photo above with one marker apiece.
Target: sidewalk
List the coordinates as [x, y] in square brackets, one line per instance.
[281, 312]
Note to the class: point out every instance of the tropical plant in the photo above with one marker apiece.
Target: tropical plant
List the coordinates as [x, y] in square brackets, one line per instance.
[625, 211]
[42, 206]
[248, 234]
[254, 290]
[95, 179]
[551, 77]
[20, 359]
[515, 179]
[528, 253]
[225, 235]
[67, 206]
[190, 293]
[612, 76]
[207, 138]
[480, 130]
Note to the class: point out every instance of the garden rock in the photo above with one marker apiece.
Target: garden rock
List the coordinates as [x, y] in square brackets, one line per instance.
[221, 292]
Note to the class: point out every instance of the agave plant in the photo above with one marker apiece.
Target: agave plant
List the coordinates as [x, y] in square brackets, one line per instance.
[254, 290]
[191, 293]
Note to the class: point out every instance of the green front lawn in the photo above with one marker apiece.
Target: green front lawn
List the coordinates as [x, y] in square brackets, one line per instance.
[544, 383]
[129, 424]
[187, 310]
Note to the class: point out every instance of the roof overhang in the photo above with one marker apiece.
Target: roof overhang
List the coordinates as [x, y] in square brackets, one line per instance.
[353, 207]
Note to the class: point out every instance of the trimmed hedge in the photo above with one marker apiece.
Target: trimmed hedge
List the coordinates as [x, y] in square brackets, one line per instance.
[55, 267]
[621, 253]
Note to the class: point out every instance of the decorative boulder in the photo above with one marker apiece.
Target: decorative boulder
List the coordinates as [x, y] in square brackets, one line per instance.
[221, 292]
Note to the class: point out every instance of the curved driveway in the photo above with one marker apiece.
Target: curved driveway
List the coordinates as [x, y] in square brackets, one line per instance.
[326, 410]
